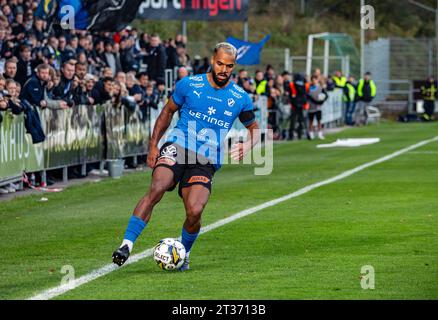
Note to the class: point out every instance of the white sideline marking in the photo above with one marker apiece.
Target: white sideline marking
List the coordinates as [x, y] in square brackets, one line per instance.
[61, 289]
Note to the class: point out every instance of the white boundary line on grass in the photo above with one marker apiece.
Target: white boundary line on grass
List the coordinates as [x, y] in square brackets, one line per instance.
[61, 289]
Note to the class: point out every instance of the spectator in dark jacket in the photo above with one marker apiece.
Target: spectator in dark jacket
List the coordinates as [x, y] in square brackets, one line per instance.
[10, 69]
[156, 58]
[33, 90]
[64, 88]
[150, 101]
[24, 65]
[127, 57]
[103, 94]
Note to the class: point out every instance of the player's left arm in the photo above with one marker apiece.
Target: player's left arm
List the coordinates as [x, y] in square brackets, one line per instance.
[240, 149]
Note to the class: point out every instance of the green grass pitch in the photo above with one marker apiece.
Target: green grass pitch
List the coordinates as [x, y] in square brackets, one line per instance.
[309, 247]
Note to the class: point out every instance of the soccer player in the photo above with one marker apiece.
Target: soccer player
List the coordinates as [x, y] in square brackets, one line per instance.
[208, 104]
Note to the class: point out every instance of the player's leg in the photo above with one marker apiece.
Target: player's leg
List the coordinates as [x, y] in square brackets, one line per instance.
[318, 119]
[293, 117]
[162, 180]
[195, 199]
[311, 119]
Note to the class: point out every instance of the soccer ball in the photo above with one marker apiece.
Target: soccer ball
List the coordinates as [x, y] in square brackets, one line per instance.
[169, 254]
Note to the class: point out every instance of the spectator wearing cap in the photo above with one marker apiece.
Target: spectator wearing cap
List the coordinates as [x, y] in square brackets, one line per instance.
[51, 52]
[90, 82]
[24, 65]
[156, 58]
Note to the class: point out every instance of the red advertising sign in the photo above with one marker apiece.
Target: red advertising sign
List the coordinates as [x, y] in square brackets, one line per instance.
[232, 10]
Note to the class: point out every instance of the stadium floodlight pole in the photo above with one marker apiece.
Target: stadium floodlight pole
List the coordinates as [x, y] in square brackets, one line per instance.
[184, 28]
[430, 9]
[362, 40]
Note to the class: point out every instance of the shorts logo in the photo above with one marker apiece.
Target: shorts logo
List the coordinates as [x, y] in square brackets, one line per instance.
[231, 102]
[202, 179]
[169, 152]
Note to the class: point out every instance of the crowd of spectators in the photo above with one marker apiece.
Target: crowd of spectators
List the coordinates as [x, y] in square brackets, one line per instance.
[42, 65]
[56, 68]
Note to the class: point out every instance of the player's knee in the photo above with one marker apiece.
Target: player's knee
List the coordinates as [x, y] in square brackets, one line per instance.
[194, 211]
[157, 191]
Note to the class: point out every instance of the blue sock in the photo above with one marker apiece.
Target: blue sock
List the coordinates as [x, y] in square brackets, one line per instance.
[188, 239]
[134, 229]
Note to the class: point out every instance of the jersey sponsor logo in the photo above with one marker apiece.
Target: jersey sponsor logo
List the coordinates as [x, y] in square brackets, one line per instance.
[228, 113]
[231, 102]
[197, 93]
[196, 78]
[235, 94]
[211, 111]
[212, 120]
[197, 85]
[201, 179]
[214, 98]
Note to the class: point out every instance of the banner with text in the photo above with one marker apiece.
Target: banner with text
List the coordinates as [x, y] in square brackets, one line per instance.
[221, 10]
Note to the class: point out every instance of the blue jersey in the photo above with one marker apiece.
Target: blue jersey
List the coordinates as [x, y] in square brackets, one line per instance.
[207, 115]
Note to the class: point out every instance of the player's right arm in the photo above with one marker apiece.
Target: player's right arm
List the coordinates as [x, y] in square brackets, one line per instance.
[161, 125]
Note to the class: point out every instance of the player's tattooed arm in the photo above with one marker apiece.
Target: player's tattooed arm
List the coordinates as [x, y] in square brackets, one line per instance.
[161, 125]
[240, 149]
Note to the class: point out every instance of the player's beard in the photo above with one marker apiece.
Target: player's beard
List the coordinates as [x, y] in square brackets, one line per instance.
[220, 83]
